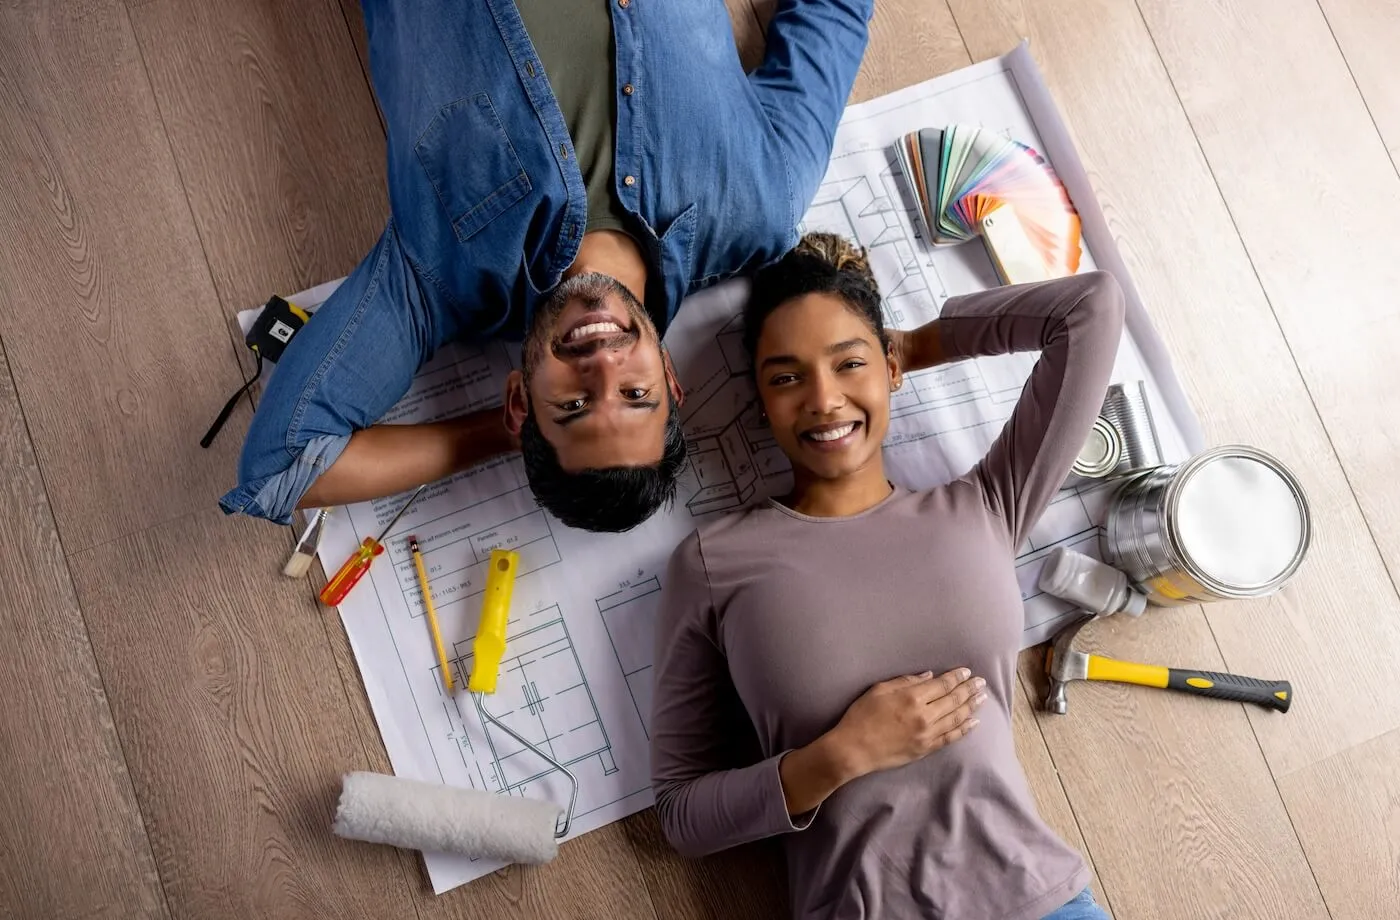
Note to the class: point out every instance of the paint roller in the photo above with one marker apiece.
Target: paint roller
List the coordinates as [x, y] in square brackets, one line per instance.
[426, 816]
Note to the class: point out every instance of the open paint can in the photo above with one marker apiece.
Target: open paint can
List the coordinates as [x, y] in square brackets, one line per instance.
[1229, 523]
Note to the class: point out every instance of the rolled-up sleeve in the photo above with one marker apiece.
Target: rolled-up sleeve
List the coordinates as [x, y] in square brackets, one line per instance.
[346, 368]
[275, 496]
[706, 801]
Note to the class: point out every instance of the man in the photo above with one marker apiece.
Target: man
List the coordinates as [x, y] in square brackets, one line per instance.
[563, 171]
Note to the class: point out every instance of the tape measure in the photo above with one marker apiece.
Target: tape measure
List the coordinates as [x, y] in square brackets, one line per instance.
[269, 336]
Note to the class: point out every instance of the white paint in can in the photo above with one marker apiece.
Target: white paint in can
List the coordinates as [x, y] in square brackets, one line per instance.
[1240, 522]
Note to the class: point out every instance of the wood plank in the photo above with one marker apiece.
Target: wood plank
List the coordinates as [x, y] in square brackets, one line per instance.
[1172, 793]
[275, 132]
[355, 23]
[114, 335]
[236, 730]
[1179, 240]
[910, 41]
[1286, 133]
[1347, 811]
[746, 883]
[1044, 778]
[596, 875]
[68, 805]
[1368, 33]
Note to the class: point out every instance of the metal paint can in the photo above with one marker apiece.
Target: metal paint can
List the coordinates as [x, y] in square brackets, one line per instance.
[1127, 409]
[1101, 454]
[1229, 523]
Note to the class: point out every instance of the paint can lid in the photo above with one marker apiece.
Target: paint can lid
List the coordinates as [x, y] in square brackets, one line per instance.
[1239, 520]
[1102, 450]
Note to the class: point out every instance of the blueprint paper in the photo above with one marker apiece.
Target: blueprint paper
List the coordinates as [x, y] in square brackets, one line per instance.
[577, 672]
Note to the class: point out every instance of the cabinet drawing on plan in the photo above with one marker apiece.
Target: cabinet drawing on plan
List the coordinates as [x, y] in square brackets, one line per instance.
[629, 617]
[542, 694]
[731, 448]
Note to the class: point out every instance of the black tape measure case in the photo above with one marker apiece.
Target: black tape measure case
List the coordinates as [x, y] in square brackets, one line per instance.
[271, 332]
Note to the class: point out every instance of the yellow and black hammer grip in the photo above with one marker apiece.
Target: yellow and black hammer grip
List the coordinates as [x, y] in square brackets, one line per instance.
[1273, 694]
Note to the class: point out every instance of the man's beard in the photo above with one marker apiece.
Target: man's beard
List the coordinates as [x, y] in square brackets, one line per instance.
[592, 290]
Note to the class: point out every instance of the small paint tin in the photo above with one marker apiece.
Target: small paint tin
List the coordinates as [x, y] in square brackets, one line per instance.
[1126, 408]
[1100, 456]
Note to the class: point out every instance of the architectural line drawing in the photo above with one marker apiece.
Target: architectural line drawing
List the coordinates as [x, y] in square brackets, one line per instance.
[456, 556]
[629, 616]
[732, 452]
[543, 694]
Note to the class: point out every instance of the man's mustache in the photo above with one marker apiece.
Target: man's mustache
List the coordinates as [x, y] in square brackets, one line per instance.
[565, 350]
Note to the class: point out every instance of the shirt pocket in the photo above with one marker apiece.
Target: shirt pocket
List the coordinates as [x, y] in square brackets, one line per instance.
[471, 164]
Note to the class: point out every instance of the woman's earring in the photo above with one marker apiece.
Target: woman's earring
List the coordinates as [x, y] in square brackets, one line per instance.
[763, 417]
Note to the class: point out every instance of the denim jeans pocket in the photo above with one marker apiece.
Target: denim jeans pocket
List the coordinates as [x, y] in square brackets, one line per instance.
[471, 164]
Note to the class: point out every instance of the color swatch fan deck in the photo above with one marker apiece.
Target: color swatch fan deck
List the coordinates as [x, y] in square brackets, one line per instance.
[974, 182]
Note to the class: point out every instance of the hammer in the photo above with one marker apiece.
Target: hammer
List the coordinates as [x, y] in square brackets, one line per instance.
[1064, 664]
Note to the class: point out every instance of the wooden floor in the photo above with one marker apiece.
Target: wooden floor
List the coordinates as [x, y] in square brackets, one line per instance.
[175, 722]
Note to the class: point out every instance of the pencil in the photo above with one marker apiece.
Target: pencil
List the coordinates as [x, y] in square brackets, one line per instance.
[432, 612]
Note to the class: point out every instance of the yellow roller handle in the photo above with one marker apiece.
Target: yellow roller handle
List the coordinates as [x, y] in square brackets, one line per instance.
[490, 643]
[1128, 672]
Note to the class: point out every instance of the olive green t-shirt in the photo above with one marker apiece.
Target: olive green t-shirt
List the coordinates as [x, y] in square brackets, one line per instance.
[574, 41]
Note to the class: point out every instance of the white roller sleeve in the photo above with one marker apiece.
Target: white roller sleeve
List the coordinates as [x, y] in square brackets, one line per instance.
[426, 816]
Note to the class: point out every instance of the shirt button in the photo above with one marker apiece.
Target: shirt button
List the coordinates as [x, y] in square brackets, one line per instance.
[628, 181]
[628, 89]
[624, 3]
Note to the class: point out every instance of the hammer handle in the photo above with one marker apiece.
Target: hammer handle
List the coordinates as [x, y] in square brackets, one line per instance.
[1272, 694]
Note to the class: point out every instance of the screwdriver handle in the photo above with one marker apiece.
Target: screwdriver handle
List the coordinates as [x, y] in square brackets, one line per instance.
[351, 572]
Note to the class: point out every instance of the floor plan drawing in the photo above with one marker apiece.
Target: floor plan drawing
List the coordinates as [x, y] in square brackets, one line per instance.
[543, 695]
[457, 548]
[628, 615]
[731, 450]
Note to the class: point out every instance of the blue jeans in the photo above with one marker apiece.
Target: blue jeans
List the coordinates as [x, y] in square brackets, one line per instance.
[1083, 907]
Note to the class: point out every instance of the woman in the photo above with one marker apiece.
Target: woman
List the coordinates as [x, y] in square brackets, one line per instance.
[869, 632]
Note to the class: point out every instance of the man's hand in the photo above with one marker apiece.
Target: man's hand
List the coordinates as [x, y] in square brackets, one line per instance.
[893, 723]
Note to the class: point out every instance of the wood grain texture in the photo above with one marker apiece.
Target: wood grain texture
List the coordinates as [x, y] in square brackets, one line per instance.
[1368, 33]
[910, 41]
[747, 883]
[69, 823]
[1286, 133]
[293, 192]
[355, 23]
[112, 327]
[1043, 778]
[1336, 643]
[235, 727]
[1172, 793]
[1347, 810]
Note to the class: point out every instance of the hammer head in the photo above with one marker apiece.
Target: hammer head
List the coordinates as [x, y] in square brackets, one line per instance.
[1063, 664]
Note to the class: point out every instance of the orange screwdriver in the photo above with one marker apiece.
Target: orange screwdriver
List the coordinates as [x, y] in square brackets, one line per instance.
[358, 564]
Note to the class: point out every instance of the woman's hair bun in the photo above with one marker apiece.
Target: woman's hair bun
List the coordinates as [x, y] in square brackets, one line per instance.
[840, 253]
